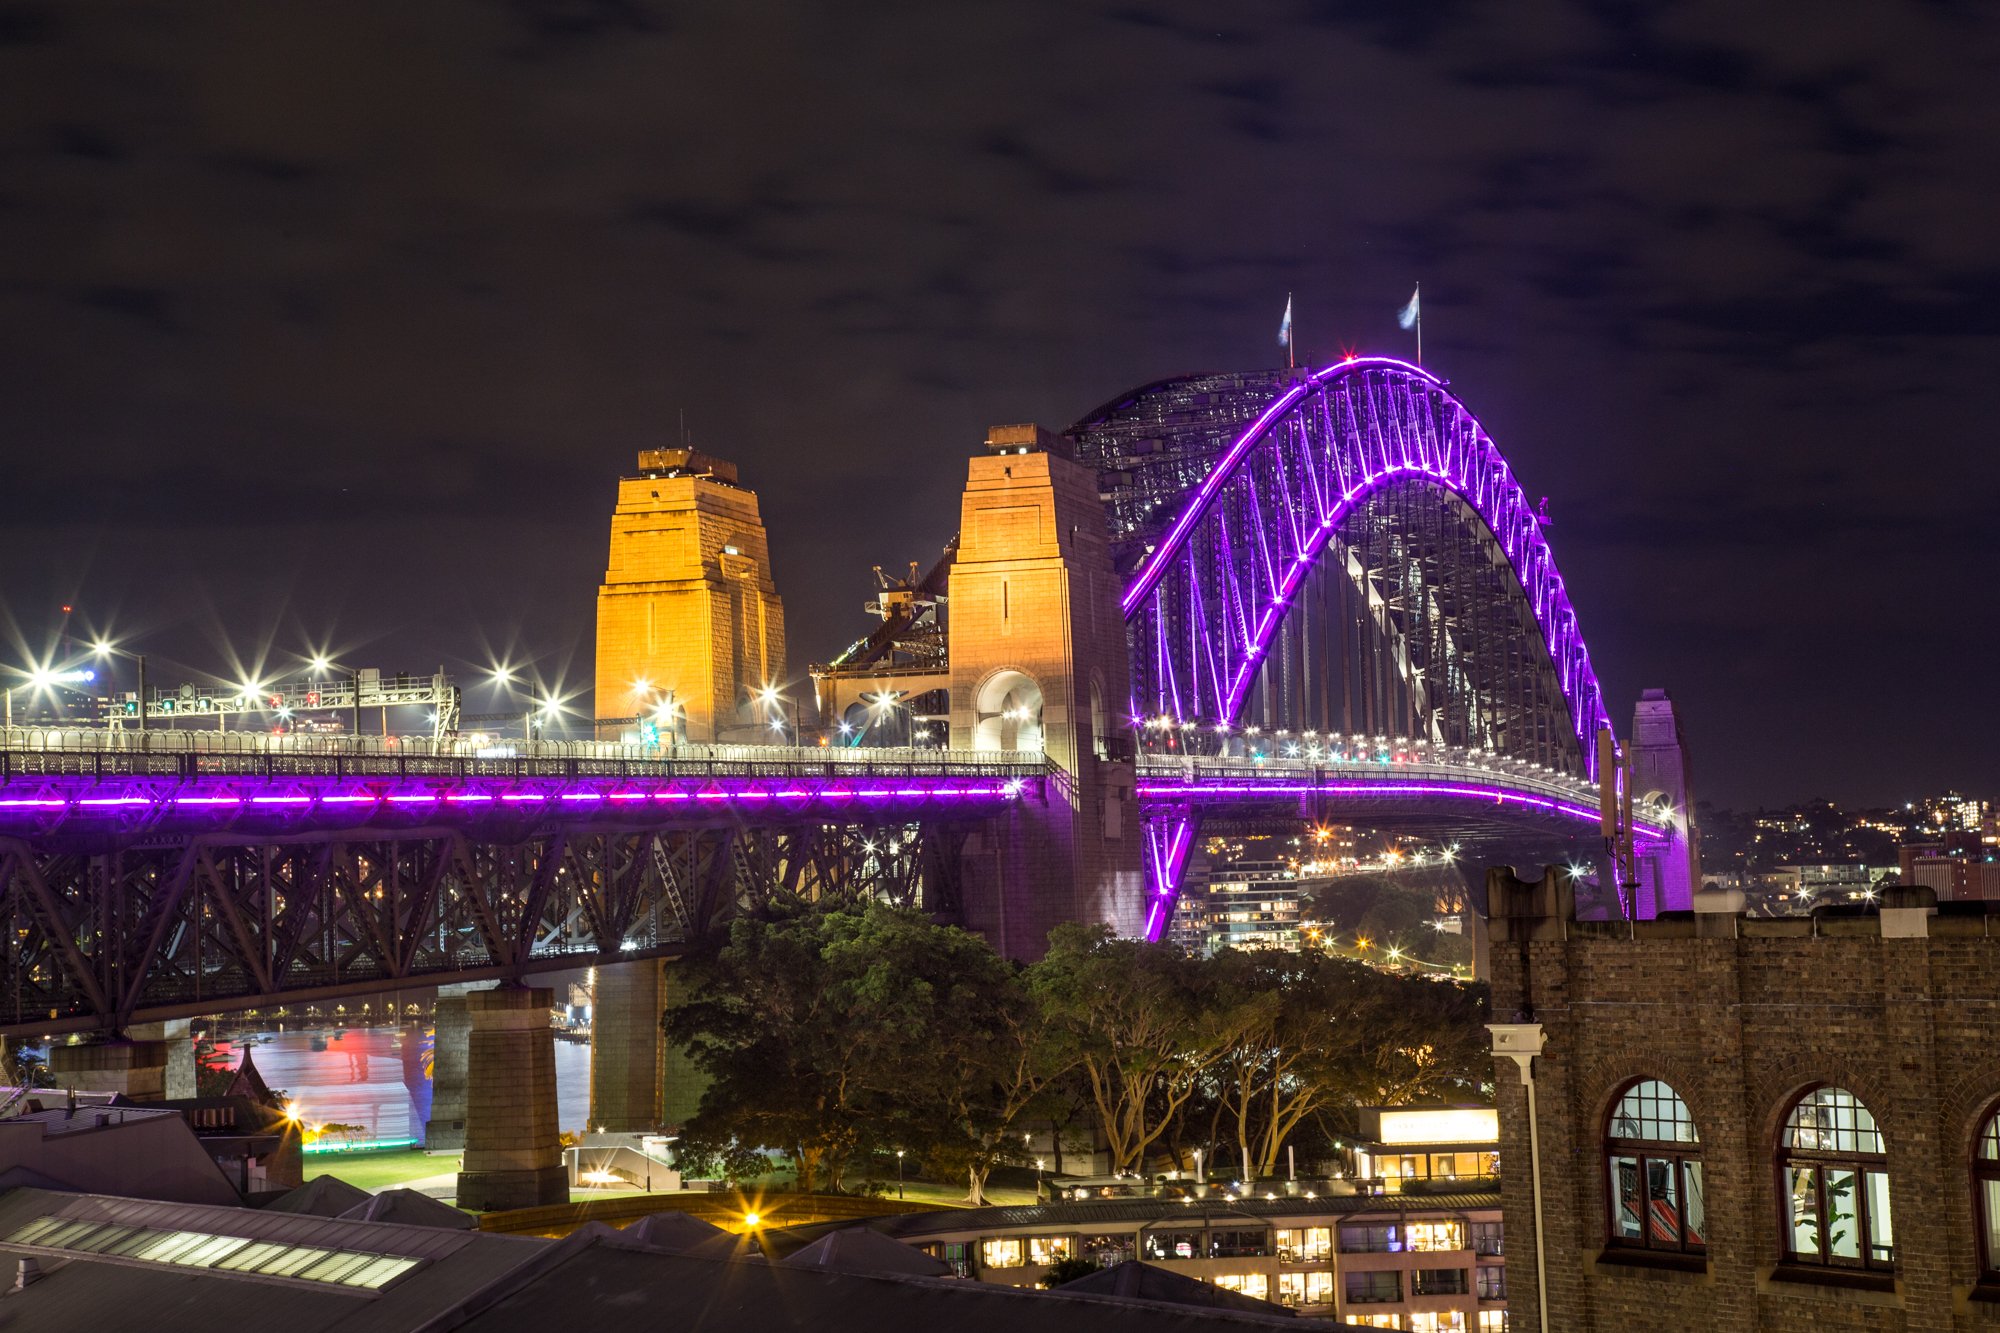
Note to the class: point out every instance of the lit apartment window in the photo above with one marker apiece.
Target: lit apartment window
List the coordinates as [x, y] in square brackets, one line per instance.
[1492, 1321]
[1374, 1320]
[1438, 1321]
[1986, 1186]
[1434, 1235]
[1250, 1284]
[1174, 1244]
[1000, 1252]
[1306, 1245]
[1833, 1175]
[1305, 1288]
[1374, 1288]
[1048, 1249]
[1656, 1199]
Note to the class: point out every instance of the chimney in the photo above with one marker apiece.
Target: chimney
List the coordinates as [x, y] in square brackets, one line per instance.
[29, 1273]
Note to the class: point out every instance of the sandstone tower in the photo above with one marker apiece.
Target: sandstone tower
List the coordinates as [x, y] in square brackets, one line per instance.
[689, 624]
[1038, 662]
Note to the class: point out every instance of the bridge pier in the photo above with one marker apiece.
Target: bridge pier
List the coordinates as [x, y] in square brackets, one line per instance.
[134, 1069]
[177, 1034]
[451, 1034]
[513, 1156]
[627, 1050]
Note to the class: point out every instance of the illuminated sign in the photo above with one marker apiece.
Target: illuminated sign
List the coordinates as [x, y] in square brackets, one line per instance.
[1446, 1124]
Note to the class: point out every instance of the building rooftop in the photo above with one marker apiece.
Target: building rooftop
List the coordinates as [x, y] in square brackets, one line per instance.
[1146, 1212]
[101, 1258]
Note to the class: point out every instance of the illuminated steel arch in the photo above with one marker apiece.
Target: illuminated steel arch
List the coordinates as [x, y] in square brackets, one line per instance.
[1435, 544]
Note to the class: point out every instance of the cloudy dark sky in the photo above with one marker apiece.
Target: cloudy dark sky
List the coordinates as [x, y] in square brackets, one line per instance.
[333, 324]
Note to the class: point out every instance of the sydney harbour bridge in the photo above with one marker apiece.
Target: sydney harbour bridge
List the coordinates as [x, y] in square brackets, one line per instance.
[1220, 603]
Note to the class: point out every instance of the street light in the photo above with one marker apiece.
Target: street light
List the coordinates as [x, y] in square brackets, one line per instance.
[899, 1173]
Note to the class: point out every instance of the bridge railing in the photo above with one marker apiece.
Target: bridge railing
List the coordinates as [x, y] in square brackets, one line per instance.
[1496, 771]
[63, 752]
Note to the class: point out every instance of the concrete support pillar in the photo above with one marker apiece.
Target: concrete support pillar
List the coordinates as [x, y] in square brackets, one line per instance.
[513, 1157]
[445, 1130]
[136, 1070]
[684, 1080]
[177, 1034]
[627, 1053]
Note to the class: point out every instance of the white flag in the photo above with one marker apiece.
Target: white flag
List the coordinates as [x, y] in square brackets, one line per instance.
[1285, 328]
[1407, 316]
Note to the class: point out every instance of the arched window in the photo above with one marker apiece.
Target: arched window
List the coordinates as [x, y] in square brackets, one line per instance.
[1656, 1200]
[1834, 1179]
[1986, 1195]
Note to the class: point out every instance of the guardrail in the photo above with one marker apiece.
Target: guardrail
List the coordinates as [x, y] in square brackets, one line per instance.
[39, 753]
[1517, 776]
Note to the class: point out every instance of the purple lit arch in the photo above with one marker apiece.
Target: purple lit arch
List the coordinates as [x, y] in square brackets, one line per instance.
[1210, 598]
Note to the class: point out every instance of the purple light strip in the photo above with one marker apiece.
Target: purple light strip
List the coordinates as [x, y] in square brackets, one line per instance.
[1204, 791]
[165, 795]
[1163, 554]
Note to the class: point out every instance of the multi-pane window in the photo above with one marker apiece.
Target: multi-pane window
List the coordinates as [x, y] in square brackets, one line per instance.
[1437, 1321]
[1238, 1244]
[1986, 1187]
[1374, 1288]
[1833, 1175]
[1370, 1239]
[1250, 1284]
[1000, 1252]
[1492, 1321]
[1654, 1198]
[1047, 1249]
[1174, 1244]
[1488, 1238]
[1492, 1282]
[1437, 1282]
[1304, 1245]
[1434, 1235]
[1106, 1250]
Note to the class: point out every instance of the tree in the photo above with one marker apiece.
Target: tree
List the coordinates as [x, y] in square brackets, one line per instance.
[991, 1072]
[832, 1031]
[1140, 1022]
[1334, 1036]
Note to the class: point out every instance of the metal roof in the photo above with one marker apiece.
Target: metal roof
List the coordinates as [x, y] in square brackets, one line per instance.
[1145, 1212]
[94, 1291]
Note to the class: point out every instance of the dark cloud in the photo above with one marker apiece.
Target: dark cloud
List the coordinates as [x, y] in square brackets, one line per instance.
[322, 323]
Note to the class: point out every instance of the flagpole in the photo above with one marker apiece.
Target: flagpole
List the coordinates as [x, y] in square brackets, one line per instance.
[1291, 337]
[1420, 323]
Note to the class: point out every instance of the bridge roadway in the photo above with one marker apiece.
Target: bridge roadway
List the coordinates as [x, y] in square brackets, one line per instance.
[181, 873]
[58, 783]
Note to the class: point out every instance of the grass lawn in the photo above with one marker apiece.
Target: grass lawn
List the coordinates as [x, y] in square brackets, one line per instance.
[373, 1171]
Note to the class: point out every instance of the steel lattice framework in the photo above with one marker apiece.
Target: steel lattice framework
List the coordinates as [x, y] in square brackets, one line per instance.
[1365, 482]
[136, 887]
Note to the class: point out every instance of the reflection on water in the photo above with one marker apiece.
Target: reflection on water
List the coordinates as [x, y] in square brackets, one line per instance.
[379, 1078]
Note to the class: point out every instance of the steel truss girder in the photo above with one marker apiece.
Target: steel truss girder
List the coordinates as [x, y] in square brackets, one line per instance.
[101, 936]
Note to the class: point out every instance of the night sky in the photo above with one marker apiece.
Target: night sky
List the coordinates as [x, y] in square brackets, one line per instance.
[331, 326]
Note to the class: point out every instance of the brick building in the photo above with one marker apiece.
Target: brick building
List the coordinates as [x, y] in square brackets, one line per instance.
[1743, 1123]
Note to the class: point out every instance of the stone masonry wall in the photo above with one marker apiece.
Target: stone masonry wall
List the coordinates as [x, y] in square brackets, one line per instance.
[1740, 1016]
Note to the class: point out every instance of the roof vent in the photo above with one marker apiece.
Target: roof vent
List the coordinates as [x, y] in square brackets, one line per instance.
[29, 1273]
